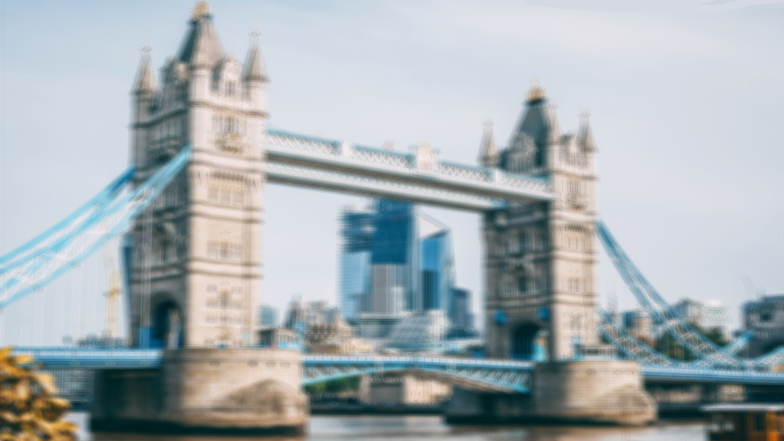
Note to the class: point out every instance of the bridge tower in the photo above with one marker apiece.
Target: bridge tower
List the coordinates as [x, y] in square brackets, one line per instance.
[195, 268]
[540, 258]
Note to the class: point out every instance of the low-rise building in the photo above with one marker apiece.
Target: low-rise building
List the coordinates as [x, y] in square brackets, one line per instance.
[393, 389]
[765, 319]
[268, 316]
[708, 315]
[280, 338]
[638, 323]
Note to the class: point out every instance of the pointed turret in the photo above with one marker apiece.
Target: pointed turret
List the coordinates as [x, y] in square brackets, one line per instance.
[488, 153]
[145, 77]
[538, 123]
[585, 134]
[201, 46]
[255, 69]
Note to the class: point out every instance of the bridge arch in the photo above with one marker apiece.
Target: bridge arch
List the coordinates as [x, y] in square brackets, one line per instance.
[528, 341]
[166, 330]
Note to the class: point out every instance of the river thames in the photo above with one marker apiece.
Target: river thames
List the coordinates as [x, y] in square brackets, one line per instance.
[388, 428]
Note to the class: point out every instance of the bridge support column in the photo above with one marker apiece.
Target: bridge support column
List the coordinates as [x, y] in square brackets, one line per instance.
[205, 390]
[596, 392]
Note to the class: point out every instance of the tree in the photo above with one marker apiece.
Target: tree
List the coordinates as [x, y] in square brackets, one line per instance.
[342, 385]
[29, 411]
[333, 387]
[316, 389]
[668, 346]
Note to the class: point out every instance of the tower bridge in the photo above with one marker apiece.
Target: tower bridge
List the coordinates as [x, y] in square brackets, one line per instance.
[190, 211]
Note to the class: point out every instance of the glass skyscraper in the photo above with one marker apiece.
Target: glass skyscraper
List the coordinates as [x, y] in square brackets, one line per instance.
[357, 231]
[437, 270]
[395, 261]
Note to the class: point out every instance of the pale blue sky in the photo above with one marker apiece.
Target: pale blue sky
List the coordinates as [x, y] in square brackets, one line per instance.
[687, 106]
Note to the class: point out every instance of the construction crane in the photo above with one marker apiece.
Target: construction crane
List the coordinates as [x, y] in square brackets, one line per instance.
[750, 289]
[113, 281]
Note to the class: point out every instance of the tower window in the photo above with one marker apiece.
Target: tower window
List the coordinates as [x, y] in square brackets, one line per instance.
[522, 284]
[231, 88]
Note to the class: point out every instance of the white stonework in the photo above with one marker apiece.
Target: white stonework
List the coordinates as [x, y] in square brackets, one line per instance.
[196, 258]
[540, 258]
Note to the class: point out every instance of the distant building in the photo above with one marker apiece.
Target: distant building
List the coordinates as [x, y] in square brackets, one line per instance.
[460, 314]
[388, 389]
[301, 315]
[268, 316]
[336, 338]
[375, 327]
[281, 338]
[709, 315]
[357, 231]
[394, 261]
[437, 271]
[397, 262]
[689, 310]
[765, 319]
[638, 323]
[419, 332]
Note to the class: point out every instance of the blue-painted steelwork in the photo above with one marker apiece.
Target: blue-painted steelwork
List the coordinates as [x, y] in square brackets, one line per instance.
[69, 224]
[709, 354]
[482, 374]
[35, 271]
[74, 358]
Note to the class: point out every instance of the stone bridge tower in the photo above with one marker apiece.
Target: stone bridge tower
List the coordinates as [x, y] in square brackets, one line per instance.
[195, 267]
[540, 258]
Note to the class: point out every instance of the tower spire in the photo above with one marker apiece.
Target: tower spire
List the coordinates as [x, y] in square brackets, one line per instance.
[585, 133]
[255, 70]
[145, 77]
[488, 153]
[201, 46]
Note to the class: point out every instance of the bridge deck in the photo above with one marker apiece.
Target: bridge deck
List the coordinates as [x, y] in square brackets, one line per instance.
[495, 373]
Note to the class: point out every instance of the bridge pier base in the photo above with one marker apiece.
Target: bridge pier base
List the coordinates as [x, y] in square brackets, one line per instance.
[580, 392]
[248, 391]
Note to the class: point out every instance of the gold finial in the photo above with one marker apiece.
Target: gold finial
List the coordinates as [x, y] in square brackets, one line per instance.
[201, 9]
[535, 93]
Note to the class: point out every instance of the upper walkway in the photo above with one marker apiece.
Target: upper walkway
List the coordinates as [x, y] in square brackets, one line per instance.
[419, 176]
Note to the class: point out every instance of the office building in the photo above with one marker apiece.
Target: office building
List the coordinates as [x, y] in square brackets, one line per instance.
[707, 316]
[397, 262]
[268, 316]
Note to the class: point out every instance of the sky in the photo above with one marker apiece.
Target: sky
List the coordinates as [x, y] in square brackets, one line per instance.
[686, 100]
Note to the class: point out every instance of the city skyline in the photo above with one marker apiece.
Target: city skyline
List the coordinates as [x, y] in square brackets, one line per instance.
[717, 245]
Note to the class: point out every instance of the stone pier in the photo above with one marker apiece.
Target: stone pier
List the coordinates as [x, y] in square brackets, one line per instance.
[247, 391]
[579, 392]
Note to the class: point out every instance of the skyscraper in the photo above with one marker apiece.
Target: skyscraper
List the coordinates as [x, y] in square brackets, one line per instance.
[395, 261]
[437, 270]
[357, 229]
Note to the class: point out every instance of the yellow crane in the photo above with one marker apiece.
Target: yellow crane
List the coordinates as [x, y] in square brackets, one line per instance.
[114, 282]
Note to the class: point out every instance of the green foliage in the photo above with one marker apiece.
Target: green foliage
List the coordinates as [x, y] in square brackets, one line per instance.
[668, 346]
[316, 388]
[336, 386]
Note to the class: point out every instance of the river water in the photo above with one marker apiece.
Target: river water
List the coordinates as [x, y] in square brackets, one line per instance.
[410, 428]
